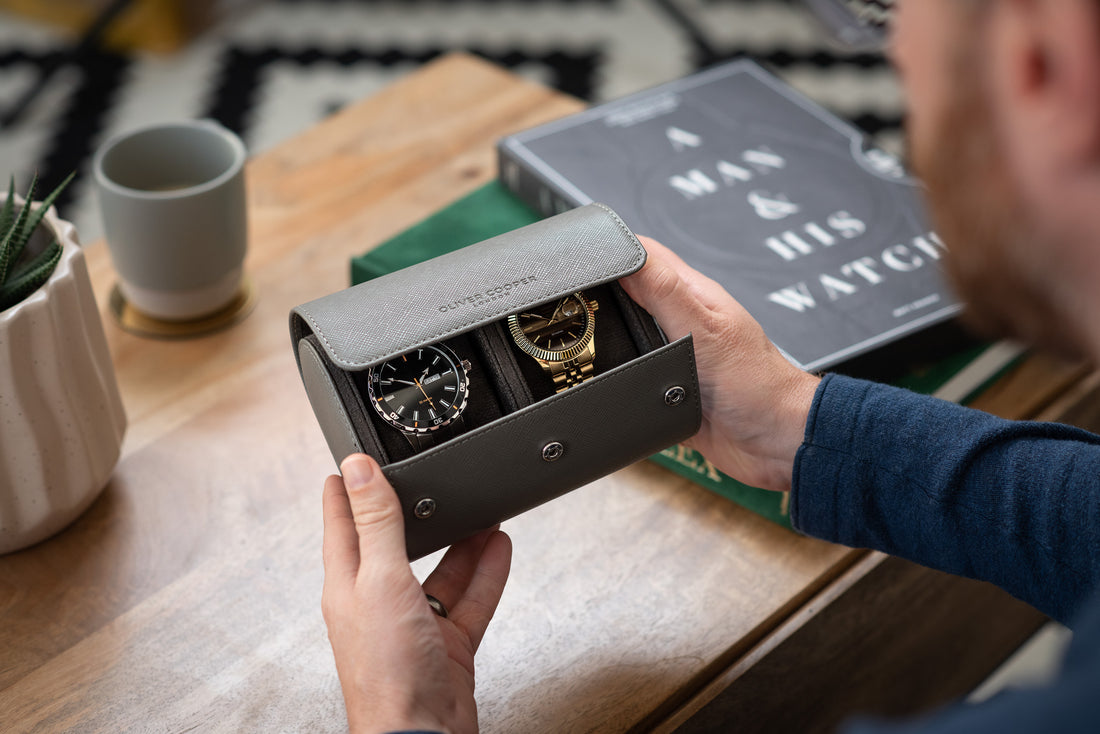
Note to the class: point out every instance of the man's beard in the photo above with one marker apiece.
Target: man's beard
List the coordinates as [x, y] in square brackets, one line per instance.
[995, 253]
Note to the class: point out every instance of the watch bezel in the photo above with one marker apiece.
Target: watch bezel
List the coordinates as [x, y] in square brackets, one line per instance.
[464, 385]
[548, 355]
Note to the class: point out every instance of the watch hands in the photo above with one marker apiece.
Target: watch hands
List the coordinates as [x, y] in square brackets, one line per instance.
[426, 397]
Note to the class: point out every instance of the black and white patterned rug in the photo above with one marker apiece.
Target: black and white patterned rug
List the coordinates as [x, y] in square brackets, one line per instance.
[270, 69]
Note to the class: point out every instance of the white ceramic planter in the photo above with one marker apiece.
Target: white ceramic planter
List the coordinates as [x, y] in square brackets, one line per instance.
[61, 417]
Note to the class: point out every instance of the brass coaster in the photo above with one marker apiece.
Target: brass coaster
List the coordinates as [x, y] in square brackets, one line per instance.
[136, 322]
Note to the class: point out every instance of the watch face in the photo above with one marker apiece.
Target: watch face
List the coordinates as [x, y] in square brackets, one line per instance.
[561, 328]
[419, 391]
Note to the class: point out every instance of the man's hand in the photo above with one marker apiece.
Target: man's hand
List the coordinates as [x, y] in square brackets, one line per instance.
[755, 402]
[400, 665]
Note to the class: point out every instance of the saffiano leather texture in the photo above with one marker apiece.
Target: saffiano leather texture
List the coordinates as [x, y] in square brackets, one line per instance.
[497, 467]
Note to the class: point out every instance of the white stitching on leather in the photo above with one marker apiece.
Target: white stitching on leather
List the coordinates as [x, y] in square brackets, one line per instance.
[637, 262]
[622, 225]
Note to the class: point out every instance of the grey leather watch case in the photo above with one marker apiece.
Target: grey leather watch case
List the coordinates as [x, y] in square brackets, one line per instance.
[521, 443]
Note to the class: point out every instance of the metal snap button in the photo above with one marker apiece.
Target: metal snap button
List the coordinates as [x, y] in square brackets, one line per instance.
[425, 508]
[552, 451]
[675, 395]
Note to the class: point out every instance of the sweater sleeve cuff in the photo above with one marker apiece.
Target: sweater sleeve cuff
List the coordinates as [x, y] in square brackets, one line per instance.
[814, 504]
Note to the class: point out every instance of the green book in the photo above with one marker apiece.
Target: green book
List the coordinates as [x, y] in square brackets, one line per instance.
[957, 373]
[485, 213]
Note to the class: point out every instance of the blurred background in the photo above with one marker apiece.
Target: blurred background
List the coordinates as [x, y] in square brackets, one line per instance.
[75, 72]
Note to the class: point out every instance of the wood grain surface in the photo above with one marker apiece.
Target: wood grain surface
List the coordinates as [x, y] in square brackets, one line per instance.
[888, 639]
[188, 597]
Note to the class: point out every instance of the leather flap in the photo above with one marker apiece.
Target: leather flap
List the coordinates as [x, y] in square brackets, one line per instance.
[462, 290]
[499, 470]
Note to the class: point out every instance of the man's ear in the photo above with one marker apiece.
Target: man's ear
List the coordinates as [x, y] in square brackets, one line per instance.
[1046, 69]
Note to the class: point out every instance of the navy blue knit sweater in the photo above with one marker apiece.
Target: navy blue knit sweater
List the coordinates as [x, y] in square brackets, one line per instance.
[1013, 503]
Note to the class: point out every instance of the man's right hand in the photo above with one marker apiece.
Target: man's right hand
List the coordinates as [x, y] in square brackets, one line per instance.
[755, 402]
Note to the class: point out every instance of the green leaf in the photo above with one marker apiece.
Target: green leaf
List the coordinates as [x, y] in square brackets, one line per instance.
[40, 212]
[18, 282]
[30, 279]
[7, 214]
[29, 264]
[14, 239]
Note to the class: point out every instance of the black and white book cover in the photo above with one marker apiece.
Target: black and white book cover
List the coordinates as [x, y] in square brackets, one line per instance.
[821, 235]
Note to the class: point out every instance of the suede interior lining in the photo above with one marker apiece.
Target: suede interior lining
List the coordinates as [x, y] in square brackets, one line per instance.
[503, 379]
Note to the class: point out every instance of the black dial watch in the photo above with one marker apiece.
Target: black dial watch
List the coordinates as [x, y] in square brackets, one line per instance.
[560, 336]
[421, 393]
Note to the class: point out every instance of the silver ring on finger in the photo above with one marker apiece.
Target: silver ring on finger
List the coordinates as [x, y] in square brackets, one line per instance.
[437, 606]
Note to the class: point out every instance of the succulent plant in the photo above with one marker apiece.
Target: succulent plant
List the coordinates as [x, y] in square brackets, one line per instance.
[21, 277]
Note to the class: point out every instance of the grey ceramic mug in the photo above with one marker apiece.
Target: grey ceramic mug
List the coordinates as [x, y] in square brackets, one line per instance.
[172, 198]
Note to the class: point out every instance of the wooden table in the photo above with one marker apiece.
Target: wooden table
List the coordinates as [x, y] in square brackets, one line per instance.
[188, 597]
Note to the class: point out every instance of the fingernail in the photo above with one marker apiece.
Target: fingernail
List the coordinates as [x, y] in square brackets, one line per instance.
[358, 471]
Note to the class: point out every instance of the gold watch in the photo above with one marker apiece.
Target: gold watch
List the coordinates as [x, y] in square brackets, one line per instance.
[560, 336]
